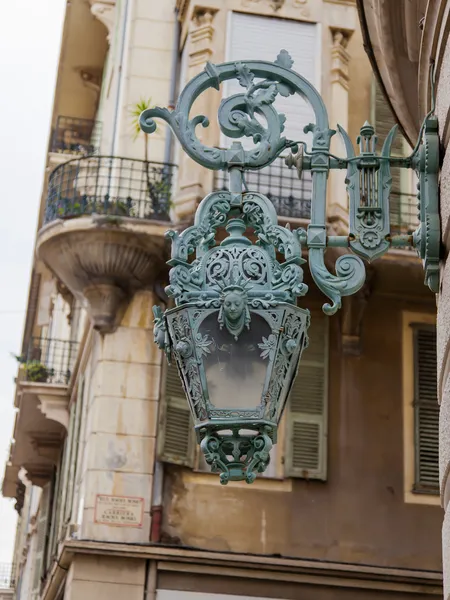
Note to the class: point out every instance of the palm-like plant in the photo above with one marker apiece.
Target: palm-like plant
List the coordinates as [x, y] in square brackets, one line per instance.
[135, 113]
[153, 188]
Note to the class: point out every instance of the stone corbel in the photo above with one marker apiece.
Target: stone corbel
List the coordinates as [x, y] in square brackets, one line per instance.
[339, 112]
[91, 79]
[68, 298]
[193, 179]
[275, 5]
[47, 445]
[39, 474]
[55, 408]
[182, 6]
[201, 36]
[340, 57]
[105, 12]
[353, 309]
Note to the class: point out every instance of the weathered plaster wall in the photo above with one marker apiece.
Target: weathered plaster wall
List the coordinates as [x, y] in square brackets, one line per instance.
[120, 422]
[359, 514]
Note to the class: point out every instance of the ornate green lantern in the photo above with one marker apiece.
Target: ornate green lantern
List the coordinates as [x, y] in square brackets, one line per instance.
[236, 333]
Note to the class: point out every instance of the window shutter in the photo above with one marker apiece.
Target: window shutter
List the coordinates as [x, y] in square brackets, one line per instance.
[41, 533]
[176, 442]
[426, 410]
[263, 37]
[73, 451]
[307, 417]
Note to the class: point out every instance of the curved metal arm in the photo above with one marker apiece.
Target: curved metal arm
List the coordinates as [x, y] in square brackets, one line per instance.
[252, 114]
[237, 114]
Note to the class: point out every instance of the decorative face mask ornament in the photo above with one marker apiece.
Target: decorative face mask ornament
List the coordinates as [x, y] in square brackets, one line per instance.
[234, 312]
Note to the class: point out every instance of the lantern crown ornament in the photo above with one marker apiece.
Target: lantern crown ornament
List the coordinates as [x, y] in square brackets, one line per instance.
[236, 332]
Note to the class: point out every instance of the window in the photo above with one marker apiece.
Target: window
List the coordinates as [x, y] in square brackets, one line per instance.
[176, 442]
[41, 543]
[303, 428]
[420, 409]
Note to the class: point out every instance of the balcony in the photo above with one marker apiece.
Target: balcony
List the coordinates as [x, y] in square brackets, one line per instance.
[42, 417]
[7, 579]
[104, 226]
[49, 361]
[76, 137]
[403, 211]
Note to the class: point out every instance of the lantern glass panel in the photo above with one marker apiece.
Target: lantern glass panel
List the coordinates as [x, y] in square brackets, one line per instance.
[235, 371]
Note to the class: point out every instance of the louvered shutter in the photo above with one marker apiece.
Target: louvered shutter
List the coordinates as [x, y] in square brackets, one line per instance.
[73, 452]
[426, 410]
[41, 533]
[251, 36]
[176, 436]
[308, 404]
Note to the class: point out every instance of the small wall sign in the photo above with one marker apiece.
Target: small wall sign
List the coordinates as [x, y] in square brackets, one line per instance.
[119, 511]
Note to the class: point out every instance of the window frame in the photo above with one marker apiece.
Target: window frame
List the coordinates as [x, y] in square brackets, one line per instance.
[412, 496]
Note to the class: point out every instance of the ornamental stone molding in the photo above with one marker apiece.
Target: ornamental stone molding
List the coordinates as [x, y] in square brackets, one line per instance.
[105, 12]
[277, 5]
[201, 36]
[340, 57]
[91, 79]
[303, 6]
[274, 4]
[54, 406]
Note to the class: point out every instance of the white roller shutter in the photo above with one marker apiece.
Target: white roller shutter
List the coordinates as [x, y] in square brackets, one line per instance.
[255, 37]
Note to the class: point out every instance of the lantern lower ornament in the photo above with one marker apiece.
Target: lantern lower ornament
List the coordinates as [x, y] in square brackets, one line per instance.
[236, 456]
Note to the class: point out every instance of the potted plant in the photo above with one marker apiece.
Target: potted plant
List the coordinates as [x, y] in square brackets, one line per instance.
[115, 207]
[34, 369]
[37, 372]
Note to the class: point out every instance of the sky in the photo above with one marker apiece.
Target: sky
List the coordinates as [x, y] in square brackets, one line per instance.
[30, 32]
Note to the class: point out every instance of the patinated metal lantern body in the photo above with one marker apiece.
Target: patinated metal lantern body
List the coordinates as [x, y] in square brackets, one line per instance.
[236, 332]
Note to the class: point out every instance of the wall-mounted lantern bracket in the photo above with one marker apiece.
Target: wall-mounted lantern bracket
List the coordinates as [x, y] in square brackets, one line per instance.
[236, 322]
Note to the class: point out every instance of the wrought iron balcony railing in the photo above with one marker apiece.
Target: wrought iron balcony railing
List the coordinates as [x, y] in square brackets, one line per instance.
[110, 185]
[49, 360]
[290, 196]
[7, 579]
[403, 213]
[76, 136]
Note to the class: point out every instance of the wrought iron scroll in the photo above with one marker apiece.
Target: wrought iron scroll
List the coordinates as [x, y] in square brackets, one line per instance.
[252, 114]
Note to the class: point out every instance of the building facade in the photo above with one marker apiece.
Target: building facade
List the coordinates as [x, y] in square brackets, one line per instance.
[410, 57]
[113, 495]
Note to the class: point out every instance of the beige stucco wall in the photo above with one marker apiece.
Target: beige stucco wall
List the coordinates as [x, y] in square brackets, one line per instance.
[120, 421]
